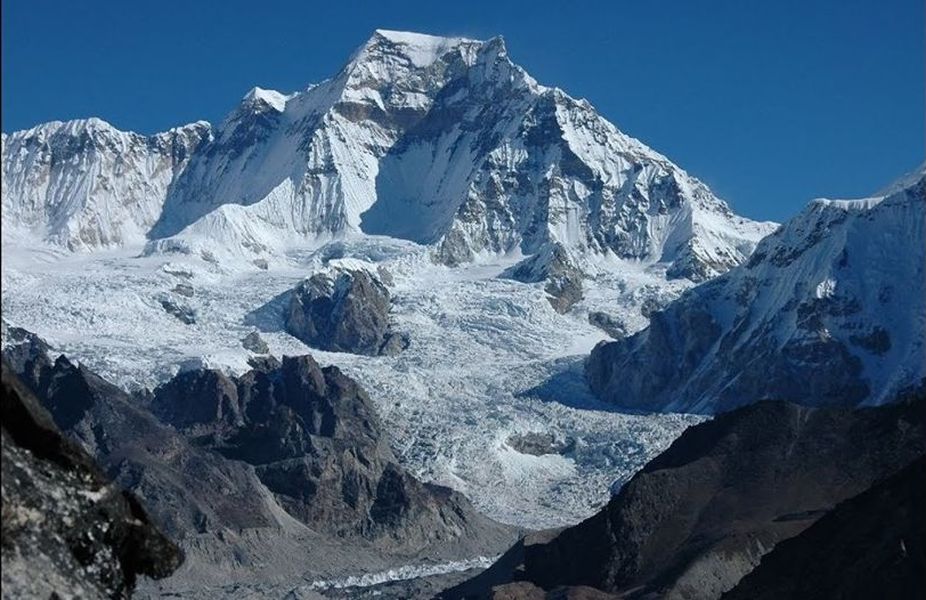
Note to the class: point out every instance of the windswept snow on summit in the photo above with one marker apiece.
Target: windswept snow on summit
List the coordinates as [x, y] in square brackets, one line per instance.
[830, 309]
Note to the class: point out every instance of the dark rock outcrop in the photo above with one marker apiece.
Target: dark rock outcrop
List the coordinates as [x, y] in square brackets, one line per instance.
[184, 313]
[608, 324]
[184, 289]
[870, 546]
[538, 443]
[176, 478]
[524, 590]
[344, 311]
[314, 440]
[553, 265]
[67, 531]
[286, 466]
[700, 516]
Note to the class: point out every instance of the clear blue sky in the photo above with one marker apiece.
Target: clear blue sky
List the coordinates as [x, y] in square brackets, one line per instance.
[770, 102]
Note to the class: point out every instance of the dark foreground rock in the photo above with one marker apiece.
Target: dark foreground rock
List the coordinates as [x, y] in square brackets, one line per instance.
[870, 546]
[67, 531]
[281, 474]
[701, 515]
[343, 311]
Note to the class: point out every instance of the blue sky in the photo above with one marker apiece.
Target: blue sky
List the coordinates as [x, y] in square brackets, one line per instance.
[771, 103]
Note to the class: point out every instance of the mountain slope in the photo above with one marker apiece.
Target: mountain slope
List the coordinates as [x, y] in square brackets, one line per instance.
[830, 309]
[282, 474]
[700, 515]
[872, 545]
[445, 141]
[85, 185]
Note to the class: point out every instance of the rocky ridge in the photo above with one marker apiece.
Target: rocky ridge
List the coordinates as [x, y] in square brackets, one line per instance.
[442, 141]
[286, 465]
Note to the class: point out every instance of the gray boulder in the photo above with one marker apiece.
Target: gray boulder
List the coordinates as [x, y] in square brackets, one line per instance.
[609, 324]
[553, 265]
[178, 309]
[255, 343]
[343, 311]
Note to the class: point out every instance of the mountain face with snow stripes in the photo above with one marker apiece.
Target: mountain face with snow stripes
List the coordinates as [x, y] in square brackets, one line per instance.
[84, 185]
[442, 141]
[830, 309]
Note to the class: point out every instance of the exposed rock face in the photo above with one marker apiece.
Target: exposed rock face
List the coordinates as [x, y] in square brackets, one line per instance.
[67, 531]
[609, 324]
[343, 311]
[553, 265]
[870, 546]
[524, 590]
[308, 483]
[537, 443]
[184, 313]
[175, 477]
[700, 516]
[255, 343]
[443, 141]
[827, 311]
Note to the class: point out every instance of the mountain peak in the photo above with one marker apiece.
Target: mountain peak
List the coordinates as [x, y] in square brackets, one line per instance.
[270, 98]
[421, 49]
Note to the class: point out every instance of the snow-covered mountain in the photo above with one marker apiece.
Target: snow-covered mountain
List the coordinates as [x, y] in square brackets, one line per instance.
[86, 185]
[830, 309]
[442, 141]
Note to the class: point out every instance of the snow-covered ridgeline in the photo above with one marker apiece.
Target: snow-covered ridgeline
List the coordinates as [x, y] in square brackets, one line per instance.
[85, 185]
[443, 141]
